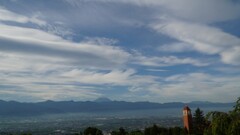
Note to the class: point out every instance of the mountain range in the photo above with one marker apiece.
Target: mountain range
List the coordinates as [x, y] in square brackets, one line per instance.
[14, 108]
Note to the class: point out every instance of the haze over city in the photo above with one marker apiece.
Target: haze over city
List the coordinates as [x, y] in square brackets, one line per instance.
[131, 50]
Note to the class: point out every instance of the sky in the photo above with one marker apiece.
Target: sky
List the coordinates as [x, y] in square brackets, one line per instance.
[131, 50]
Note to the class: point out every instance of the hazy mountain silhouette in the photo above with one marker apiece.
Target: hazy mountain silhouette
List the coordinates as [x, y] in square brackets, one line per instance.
[103, 99]
[13, 108]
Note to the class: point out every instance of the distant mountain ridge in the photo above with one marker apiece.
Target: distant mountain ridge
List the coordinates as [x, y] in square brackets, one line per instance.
[14, 108]
[103, 99]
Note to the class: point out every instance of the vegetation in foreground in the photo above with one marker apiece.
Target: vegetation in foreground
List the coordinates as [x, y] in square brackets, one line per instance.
[214, 123]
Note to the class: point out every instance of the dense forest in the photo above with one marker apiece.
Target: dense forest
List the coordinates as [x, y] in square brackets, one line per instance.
[213, 123]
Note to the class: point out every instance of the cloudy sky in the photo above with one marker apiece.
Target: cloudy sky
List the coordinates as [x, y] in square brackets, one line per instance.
[132, 50]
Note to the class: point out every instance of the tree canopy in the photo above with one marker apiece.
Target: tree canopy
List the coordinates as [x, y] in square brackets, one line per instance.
[92, 131]
[199, 122]
[224, 123]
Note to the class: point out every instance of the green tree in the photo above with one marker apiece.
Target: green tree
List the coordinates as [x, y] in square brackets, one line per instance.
[92, 131]
[234, 127]
[220, 123]
[224, 123]
[199, 122]
[208, 131]
[177, 131]
[237, 106]
[121, 131]
[114, 133]
[136, 132]
[26, 134]
[155, 130]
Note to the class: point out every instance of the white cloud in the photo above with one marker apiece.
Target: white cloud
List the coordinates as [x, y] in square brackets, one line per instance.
[43, 59]
[31, 93]
[40, 57]
[202, 10]
[46, 79]
[198, 86]
[227, 69]
[156, 70]
[39, 43]
[128, 77]
[231, 55]
[59, 29]
[6, 15]
[28, 34]
[99, 41]
[203, 38]
[165, 61]
[115, 77]
[42, 64]
[198, 10]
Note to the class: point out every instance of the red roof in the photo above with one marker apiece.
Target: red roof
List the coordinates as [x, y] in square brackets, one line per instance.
[186, 108]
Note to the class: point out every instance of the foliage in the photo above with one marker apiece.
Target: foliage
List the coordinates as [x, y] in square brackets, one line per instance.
[176, 131]
[224, 123]
[237, 106]
[155, 130]
[199, 122]
[136, 132]
[121, 131]
[92, 131]
[220, 122]
[234, 128]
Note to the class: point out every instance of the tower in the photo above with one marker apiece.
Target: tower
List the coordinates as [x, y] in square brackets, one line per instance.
[187, 118]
